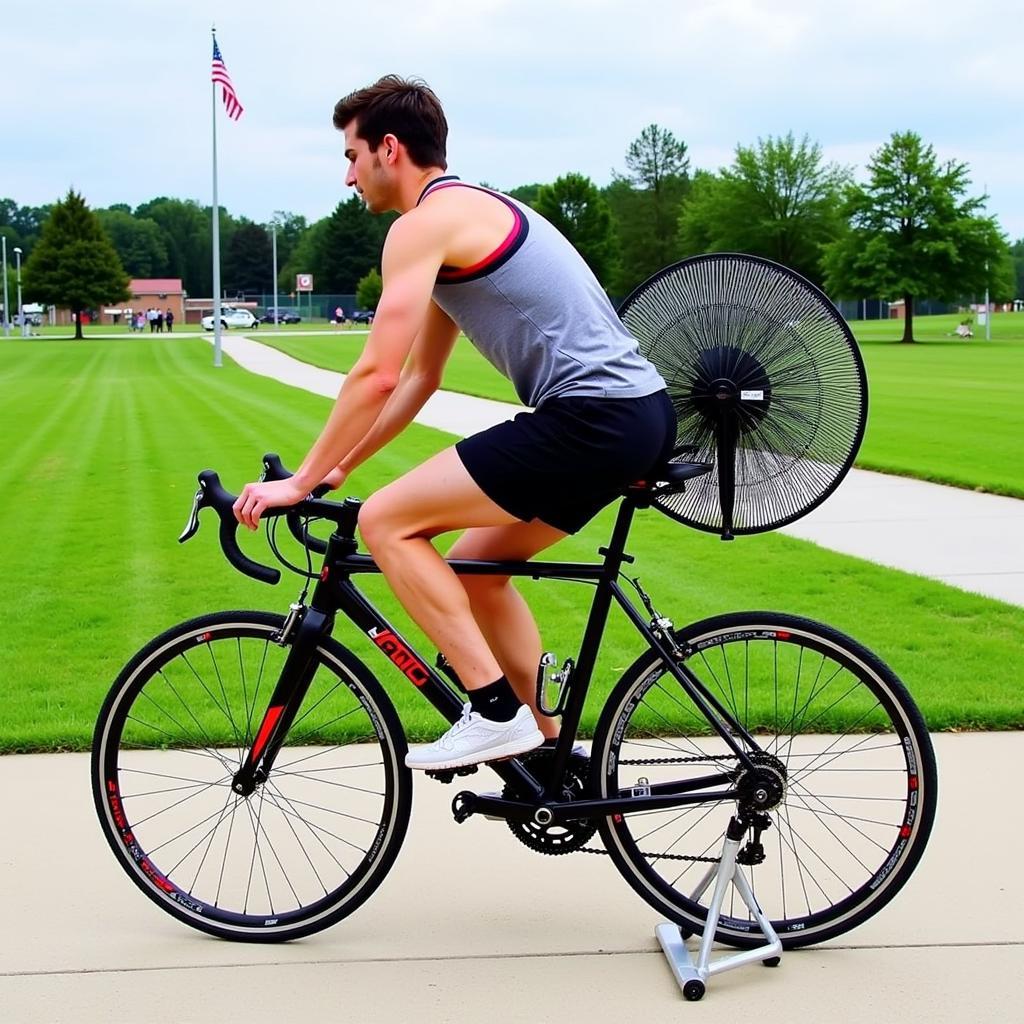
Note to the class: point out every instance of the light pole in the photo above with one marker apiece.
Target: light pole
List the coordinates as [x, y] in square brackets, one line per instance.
[21, 312]
[7, 317]
[988, 312]
[274, 229]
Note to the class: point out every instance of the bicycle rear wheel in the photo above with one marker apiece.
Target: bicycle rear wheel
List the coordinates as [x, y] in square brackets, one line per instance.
[310, 844]
[859, 775]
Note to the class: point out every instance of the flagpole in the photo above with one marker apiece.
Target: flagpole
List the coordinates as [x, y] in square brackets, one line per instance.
[216, 227]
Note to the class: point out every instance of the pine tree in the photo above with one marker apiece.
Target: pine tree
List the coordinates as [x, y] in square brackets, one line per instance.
[75, 264]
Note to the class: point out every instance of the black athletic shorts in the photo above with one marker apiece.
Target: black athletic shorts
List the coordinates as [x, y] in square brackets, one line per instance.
[564, 461]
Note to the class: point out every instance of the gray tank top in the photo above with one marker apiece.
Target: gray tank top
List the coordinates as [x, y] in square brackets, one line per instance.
[534, 309]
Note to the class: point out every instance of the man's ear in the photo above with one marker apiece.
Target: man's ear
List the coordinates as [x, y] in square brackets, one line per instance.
[390, 144]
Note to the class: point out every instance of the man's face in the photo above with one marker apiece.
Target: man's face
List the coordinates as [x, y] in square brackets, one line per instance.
[366, 172]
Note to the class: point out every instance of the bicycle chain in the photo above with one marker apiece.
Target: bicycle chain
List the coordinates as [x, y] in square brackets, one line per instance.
[682, 760]
[670, 760]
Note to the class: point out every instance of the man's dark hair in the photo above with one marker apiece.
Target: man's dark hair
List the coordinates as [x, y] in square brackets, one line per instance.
[404, 107]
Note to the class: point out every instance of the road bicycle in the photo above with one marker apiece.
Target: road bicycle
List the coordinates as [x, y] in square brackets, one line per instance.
[249, 771]
[248, 768]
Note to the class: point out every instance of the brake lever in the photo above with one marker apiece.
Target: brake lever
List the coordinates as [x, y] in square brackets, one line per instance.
[192, 526]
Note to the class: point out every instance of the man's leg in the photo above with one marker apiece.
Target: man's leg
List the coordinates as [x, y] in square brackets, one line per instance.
[397, 524]
[504, 618]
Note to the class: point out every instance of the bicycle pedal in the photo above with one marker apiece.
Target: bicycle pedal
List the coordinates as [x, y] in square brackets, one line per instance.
[447, 775]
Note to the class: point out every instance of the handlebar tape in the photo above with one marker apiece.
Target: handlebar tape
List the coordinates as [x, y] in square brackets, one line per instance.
[217, 498]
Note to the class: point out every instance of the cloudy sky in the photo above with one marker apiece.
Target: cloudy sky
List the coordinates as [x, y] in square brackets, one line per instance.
[114, 98]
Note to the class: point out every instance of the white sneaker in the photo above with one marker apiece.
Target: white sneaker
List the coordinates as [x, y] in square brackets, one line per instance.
[473, 739]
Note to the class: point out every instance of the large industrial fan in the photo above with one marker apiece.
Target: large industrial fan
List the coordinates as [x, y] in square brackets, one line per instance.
[767, 383]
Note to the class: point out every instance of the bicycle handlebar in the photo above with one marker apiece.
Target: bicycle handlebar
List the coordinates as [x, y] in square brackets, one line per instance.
[212, 494]
[273, 469]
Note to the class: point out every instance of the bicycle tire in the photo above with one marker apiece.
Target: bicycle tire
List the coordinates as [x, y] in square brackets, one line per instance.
[304, 850]
[848, 832]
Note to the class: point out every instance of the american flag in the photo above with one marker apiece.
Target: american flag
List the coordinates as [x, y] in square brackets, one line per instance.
[220, 74]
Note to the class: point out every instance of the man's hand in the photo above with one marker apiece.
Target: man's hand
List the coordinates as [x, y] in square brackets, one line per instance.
[256, 498]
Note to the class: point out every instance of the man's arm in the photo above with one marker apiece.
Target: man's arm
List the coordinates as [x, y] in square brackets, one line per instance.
[420, 378]
[412, 256]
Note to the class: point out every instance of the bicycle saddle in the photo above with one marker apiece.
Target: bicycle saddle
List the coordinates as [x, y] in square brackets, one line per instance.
[670, 477]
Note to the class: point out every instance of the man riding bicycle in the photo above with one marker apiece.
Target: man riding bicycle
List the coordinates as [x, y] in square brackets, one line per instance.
[465, 257]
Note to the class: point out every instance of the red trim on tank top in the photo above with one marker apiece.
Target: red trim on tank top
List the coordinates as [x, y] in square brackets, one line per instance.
[452, 275]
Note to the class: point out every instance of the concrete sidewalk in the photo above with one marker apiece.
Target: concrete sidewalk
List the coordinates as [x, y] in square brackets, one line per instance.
[472, 927]
[969, 540]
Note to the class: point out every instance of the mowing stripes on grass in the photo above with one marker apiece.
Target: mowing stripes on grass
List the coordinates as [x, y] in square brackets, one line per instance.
[106, 439]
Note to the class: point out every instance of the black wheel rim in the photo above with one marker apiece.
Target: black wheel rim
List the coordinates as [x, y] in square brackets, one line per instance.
[851, 814]
[767, 383]
[303, 843]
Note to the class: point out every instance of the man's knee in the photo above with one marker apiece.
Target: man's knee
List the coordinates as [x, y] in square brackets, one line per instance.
[376, 522]
[385, 519]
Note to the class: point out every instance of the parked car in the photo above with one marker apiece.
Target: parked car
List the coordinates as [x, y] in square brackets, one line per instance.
[284, 316]
[362, 316]
[231, 317]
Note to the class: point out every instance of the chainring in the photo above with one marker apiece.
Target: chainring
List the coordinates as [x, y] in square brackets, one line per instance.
[565, 837]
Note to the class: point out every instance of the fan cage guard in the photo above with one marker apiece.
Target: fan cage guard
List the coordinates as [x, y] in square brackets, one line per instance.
[767, 383]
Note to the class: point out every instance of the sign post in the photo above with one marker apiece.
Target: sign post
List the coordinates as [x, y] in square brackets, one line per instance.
[304, 283]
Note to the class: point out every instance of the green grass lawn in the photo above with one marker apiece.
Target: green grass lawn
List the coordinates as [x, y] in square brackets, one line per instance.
[104, 440]
[944, 410]
[466, 371]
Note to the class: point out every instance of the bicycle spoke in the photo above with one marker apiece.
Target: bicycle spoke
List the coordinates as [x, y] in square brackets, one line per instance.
[209, 845]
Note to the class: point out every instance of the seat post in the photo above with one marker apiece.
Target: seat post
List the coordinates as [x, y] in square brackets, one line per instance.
[615, 552]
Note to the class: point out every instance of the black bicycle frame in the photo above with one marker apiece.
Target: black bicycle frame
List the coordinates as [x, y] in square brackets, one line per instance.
[336, 592]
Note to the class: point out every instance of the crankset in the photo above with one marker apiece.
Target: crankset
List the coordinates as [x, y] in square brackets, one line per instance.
[563, 837]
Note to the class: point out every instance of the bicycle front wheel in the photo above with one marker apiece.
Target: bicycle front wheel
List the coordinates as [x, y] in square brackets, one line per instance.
[311, 843]
[857, 771]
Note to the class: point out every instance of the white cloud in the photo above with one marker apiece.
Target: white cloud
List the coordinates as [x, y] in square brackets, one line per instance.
[116, 96]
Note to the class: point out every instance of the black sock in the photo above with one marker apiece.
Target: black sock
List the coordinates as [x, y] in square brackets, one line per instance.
[496, 701]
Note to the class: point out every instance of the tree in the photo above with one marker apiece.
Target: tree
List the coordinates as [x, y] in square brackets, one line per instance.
[290, 229]
[74, 263]
[22, 224]
[138, 240]
[369, 289]
[185, 226]
[526, 194]
[655, 157]
[574, 205]
[350, 245]
[912, 233]
[1017, 255]
[247, 264]
[645, 205]
[777, 200]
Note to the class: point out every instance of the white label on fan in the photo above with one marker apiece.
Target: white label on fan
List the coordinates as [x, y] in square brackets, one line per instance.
[751, 396]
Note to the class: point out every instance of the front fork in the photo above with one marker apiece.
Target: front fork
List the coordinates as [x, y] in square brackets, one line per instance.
[307, 627]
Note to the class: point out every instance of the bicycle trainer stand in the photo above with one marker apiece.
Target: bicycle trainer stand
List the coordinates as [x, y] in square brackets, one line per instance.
[693, 977]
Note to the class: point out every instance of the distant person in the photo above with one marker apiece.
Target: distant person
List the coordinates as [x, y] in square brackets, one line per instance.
[169, 320]
[159, 321]
[151, 317]
[339, 315]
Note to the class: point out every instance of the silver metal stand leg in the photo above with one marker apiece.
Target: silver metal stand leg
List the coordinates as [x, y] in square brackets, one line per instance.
[693, 976]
